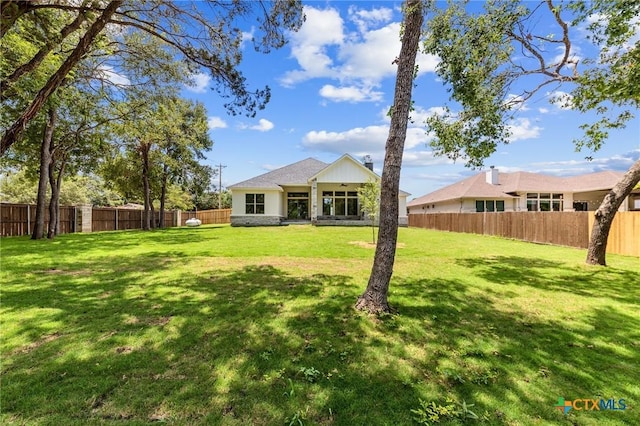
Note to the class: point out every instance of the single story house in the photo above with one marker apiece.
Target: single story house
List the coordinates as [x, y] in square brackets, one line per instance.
[492, 191]
[309, 190]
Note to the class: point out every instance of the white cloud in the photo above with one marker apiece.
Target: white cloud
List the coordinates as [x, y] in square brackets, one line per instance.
[423, 158]
[108, 73]
[516, 102]
[349, 93]
[216, 123]
[620, 162]
[543, 110]
[367, 18]
[321, 29]
[199, 83]
[419, 115]
[359, 140]
[573, 59]
[360, 59]
[263, 125]
[521, 128]
[369, 140]
[562, 100]
[271, 167]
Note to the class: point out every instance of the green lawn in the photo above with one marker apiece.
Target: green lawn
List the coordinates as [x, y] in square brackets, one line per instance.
[256, 326]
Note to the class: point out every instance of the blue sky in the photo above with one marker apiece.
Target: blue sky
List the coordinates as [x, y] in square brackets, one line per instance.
[332, 86]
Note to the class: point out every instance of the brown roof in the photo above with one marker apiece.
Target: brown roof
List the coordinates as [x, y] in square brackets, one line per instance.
[511, 183]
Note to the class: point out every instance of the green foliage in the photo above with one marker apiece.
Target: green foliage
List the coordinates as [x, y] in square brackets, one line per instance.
[481, 62]
[369, 197]
[310, 374]
[473, 50]
[612, 79]
[18, 187]
[433, 412]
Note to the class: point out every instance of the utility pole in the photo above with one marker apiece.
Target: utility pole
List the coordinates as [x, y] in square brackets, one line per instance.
[220, 167]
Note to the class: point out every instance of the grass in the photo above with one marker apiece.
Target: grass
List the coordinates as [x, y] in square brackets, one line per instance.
[256, 326]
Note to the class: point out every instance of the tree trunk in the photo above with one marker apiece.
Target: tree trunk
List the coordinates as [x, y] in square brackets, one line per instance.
[374, 298]
[163, 194]
[45, 163]
[144, 153]
[596, 253]
[15, 131]
[55, 182]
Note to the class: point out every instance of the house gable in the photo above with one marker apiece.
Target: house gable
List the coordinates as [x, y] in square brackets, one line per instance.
[346, 169]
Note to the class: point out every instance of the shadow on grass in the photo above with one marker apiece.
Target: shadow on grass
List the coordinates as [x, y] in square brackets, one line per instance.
[616, 284]
[514, 363]
[252, 346]
[73, 244]
[260, 346]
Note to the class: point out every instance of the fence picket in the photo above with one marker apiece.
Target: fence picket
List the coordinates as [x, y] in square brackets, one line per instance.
[15, 219]
[559, 228]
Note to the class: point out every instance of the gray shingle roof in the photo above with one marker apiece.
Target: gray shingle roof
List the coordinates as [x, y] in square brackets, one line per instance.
[293, 174]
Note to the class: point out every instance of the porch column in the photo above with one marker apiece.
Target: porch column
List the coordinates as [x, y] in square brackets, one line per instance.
[314, 201]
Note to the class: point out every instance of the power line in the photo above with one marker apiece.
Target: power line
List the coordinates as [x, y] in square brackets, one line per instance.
[220, 167]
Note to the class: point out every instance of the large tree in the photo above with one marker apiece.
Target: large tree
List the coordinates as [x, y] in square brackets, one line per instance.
[205, 34]
[374, 298]
[184, 138]
[487, 57]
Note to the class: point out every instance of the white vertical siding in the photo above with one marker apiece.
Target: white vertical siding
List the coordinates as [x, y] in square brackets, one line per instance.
[344, 171]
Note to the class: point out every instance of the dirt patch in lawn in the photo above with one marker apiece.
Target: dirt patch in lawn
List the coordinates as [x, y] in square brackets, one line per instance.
[35, 345]
[55, 271]
[365, 244]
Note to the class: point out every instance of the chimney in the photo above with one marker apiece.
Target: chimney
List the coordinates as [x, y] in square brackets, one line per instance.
[368, 162]
[492, 176]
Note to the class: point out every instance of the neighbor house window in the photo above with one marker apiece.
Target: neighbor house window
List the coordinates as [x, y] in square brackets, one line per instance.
[339, 203]
[254, 204]
[544, 202]
[489, 206]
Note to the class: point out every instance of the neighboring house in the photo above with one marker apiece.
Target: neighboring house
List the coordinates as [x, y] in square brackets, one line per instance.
[492, 191]
[309, 190]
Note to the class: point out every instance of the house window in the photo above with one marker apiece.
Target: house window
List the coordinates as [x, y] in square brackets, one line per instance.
[544, 202]
[254, 203]
[580, 206]
[339, 203]
[489, 206]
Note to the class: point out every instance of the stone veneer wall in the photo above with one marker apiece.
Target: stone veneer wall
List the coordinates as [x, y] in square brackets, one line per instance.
[256, 220]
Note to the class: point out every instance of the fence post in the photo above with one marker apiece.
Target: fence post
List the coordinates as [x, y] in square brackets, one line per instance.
[86, 212]
[116, 227]
[28, 219]
[177, 218]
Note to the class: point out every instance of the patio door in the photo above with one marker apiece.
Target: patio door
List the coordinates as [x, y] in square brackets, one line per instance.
[298, 206]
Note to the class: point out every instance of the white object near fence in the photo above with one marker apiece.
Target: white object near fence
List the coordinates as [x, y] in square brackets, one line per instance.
[193, 222]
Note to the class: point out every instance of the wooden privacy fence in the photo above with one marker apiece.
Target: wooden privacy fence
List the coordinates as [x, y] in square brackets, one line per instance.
[208, 217]
[624, 235]
[109, 219]
[560, 228]
[18, 219]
